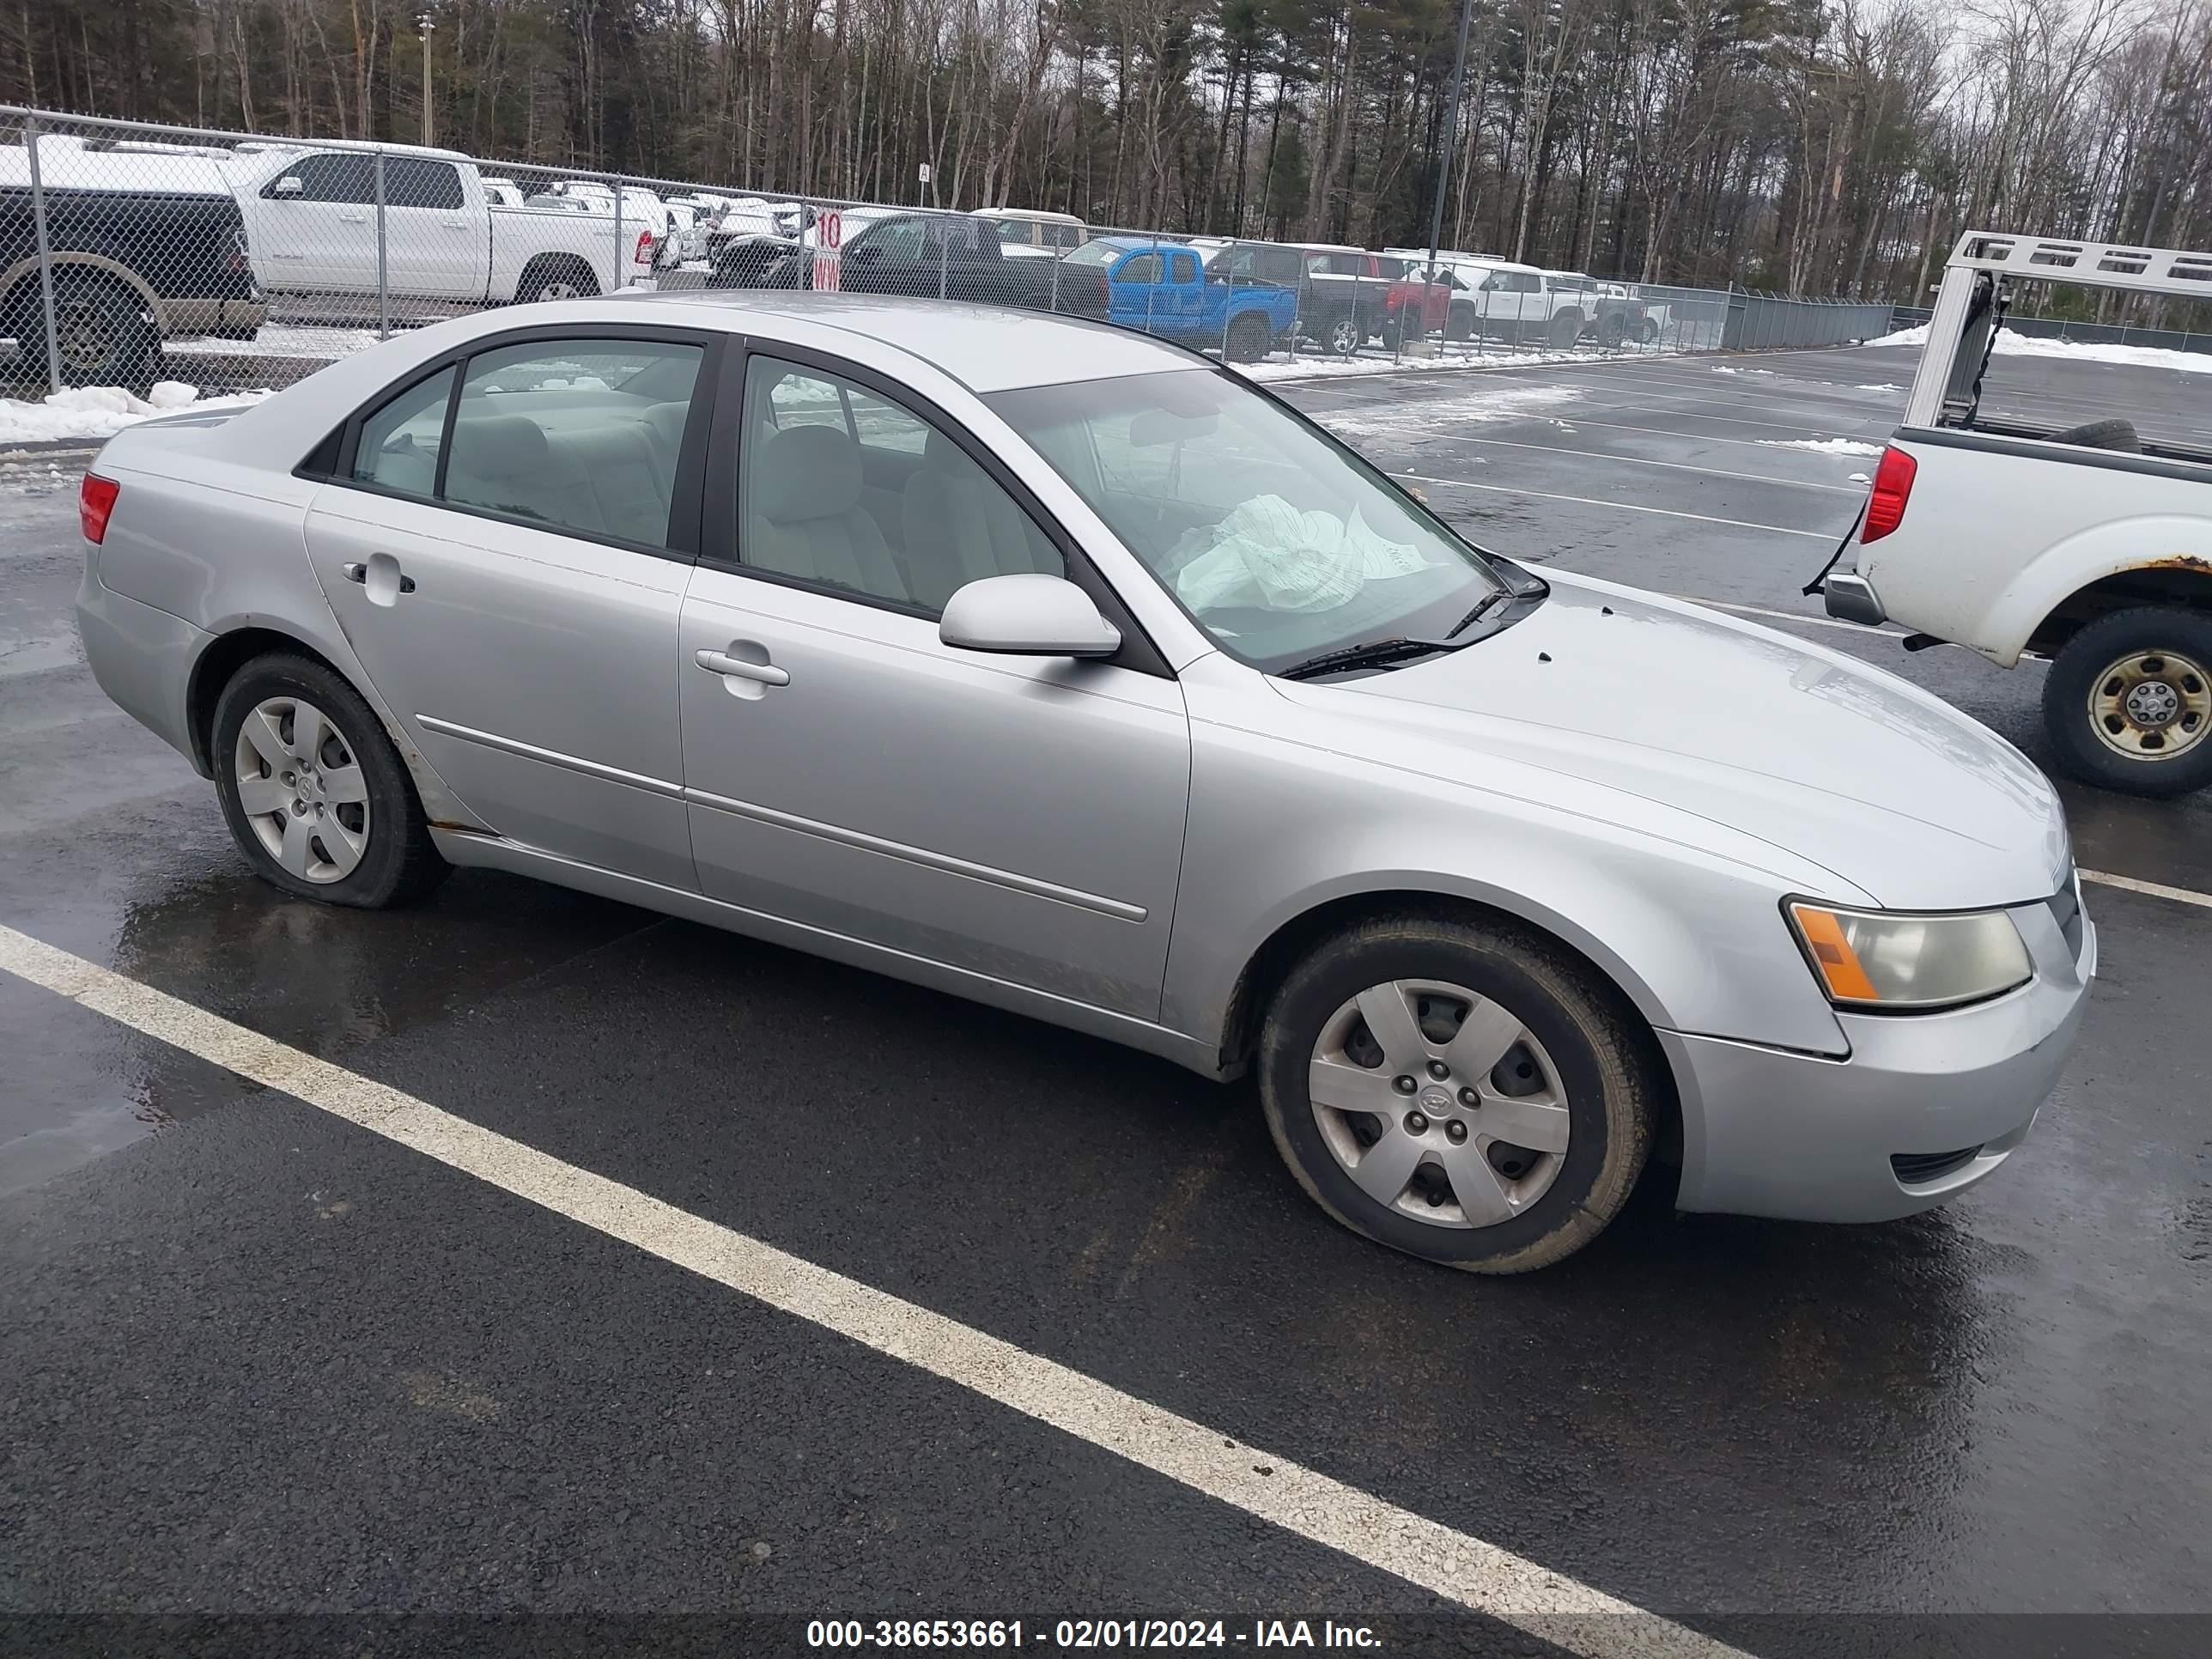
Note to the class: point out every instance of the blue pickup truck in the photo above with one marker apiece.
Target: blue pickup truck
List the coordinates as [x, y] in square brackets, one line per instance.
[1163, 288]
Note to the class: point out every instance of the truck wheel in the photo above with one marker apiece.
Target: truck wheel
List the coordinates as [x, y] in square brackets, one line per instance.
[1610, 331]
[1566, 331]
[1461, 1091]
[1249, 339]
[1460, 325]
[556, 276]
[105, 335]
[2127, 703]
[1650, 331]
[1344, 336]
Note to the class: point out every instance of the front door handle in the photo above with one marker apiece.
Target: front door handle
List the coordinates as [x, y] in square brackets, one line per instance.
[737, 668]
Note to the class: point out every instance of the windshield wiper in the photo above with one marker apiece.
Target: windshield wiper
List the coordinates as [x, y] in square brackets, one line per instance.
[1374, 653]
[1490, 603]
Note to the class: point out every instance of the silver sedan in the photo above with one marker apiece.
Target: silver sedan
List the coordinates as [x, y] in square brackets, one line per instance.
[1061, 669]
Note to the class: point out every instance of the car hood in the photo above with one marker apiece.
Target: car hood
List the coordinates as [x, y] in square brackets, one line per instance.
[1811, 751]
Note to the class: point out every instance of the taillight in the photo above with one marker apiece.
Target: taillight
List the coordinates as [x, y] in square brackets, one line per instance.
[1893, 488]
[238, 254]
[644, 254]
[95, 500]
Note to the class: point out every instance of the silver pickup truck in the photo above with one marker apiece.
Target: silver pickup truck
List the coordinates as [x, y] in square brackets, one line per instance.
[2012, 526]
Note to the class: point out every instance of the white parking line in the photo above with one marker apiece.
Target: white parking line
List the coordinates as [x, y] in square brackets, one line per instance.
[1452, 1564]
[1624, 507]
[2155, 889]
[1641, 461]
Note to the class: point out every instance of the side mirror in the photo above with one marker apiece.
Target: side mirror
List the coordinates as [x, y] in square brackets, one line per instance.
[1032, 615]
[290, 185]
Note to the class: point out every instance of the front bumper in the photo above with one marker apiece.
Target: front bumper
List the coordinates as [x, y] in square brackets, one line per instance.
[1775, 1133]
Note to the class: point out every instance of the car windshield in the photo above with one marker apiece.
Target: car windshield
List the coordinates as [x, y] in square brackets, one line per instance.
[1280, 541]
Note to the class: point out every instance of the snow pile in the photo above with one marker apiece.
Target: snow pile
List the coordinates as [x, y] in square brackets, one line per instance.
[2012, 344]
[101, 411]
[1822, 446]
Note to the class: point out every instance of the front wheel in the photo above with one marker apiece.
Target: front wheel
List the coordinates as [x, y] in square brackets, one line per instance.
[314, 792]
[1463, 1092]
[1344, 335]
[2127, 703]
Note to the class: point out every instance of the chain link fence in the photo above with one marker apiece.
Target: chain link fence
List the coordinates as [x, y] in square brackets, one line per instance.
[227, 259]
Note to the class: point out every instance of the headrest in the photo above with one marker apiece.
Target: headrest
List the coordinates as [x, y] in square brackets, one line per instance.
[806, 472]
[501, 446]
[666, 421]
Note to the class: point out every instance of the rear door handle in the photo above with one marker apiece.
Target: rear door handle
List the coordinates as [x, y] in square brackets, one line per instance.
[354, 218]
[737, 668]
[359, 572]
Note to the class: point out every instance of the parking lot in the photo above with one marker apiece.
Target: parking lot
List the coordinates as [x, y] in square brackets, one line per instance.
[1061, 1339]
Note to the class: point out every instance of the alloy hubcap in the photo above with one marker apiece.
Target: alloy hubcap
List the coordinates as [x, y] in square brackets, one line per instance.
[1439, 1103]
[301, 789]
[2151, 705]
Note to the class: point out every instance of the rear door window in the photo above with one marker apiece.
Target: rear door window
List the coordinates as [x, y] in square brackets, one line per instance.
[579, 435]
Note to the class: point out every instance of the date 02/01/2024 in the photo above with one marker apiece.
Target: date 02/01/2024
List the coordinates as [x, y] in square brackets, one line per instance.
[1073, 1634]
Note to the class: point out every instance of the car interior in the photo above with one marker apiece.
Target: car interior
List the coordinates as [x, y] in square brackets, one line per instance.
[844, 488]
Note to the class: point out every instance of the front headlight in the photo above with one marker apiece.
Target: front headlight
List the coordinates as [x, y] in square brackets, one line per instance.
[1874, 959]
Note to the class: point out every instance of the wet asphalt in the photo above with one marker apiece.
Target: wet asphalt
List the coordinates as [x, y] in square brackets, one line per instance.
[254, 1361]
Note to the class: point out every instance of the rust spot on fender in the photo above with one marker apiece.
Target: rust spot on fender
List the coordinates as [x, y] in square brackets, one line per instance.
[2188, 561]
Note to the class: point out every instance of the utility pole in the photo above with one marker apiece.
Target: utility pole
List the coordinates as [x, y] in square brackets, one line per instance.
[1450, 134]
[423, 21]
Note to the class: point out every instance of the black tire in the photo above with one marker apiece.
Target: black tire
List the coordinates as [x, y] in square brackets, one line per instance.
[400, 862]
[556, 276]
[2173, 646]
[107, 335]
[1567, 330]
[1341, 334]
[1602, 1060]
[1249, 339]
[1459, 323]
[1650, 331]
[1610, 330]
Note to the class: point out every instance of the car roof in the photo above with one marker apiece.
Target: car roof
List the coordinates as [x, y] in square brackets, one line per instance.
[1045, 215]
[985, 347]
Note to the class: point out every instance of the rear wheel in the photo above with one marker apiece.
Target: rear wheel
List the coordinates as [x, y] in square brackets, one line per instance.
[2127, 703]
[1567, 330]
[314, 792]
[104, 333]
[1343, 335]
[1460, 324]
[556, 276]
[1460, 1092]
[1650, 331]
[1610, 331]
[1249, 339]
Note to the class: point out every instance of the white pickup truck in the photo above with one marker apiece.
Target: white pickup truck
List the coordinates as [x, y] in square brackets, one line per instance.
[311, 227]
[1521, 305]
[1998, 520]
